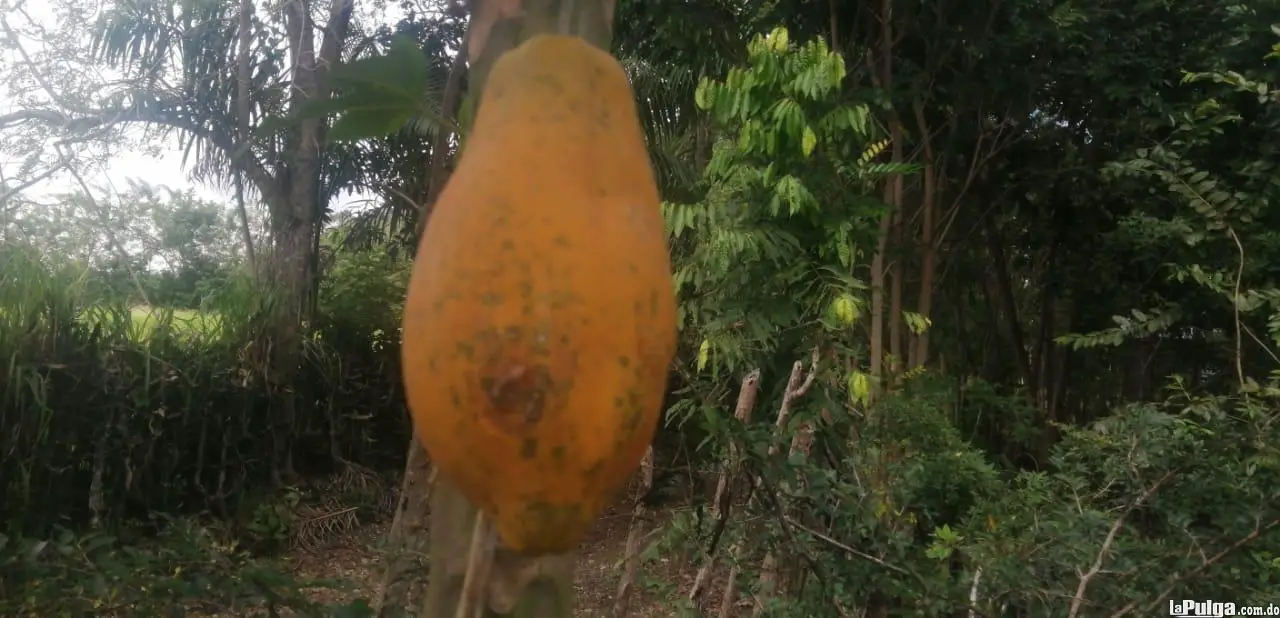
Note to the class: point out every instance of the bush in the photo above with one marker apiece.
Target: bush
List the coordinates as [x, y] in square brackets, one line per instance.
[185, 570]
[107, 416]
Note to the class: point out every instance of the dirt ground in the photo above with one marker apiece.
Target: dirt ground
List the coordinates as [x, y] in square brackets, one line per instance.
[354, 559]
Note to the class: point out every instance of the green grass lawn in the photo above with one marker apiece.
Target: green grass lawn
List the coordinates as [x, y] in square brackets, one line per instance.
[146, 318]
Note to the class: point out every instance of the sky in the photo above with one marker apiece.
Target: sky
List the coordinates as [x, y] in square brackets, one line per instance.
[164, 169]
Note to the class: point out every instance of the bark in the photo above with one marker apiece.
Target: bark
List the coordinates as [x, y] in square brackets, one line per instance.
[1009, 304]
[798, 385]
[929, 259]
[294, 200]
[897, 270]
[877, 310]
[631, 554]
[242, 125]
[881, 64]
[877, 606]
[731, 471]
[408, 545]
[832, 6]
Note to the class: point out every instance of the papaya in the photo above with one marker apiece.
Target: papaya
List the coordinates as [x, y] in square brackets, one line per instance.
[540, 320]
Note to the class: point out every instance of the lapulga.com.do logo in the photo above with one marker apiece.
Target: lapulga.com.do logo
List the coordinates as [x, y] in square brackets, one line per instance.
[1188, 608]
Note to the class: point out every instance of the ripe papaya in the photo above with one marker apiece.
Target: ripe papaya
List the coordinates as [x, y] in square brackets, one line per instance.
[540, 321]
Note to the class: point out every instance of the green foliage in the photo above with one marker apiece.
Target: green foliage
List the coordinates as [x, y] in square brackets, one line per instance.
[379, 94]
[184, 568]
[788, 211]
[917, 505]
[107, 417]
[1188, 488]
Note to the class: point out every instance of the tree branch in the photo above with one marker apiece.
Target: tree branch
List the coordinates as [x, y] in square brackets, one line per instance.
[1078, 600]
[10, 192]
[251, 166]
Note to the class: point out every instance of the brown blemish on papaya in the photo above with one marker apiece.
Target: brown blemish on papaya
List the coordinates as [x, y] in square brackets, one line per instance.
[465, 350]
[491, 299]
[624, 362]
[634, 410]
[518, 395]
[595, 470]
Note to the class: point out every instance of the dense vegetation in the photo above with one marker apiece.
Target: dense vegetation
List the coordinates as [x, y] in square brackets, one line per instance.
[979, 311]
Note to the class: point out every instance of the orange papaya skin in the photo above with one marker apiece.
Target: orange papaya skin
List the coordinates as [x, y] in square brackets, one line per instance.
[540, 322]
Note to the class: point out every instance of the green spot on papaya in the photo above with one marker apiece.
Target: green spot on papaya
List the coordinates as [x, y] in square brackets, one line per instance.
[529, 448]
[465, 350]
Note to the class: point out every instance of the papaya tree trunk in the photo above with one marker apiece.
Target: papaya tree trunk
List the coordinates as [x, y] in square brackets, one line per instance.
[405, 556]
[516, 586]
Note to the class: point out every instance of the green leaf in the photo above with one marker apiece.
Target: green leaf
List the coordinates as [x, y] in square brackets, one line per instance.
[809, 141]
[368, 123]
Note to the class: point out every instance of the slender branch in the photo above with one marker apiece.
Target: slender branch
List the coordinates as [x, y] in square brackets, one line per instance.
[1177, 580]
[10, 192]
[106, 227]
[1078, 600]
[253, 168]
[242, 126]
[846, 548]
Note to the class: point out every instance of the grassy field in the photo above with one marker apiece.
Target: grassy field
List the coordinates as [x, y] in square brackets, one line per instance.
[143, 320]
[183, 320]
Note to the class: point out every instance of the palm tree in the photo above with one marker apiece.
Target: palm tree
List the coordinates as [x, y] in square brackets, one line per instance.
[175, 58]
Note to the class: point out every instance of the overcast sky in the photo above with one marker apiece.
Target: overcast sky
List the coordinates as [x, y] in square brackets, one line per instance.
[167, 168]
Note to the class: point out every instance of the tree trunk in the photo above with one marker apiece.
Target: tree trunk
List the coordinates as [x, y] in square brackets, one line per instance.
[242, 126]
[929, 260]
[877, 309]
[1004, 289]
[408, 545]
[897, 270]
[881, 63]
[295, 204]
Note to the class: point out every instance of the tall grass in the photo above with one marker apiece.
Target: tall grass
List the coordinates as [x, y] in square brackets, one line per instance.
[108, 410]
